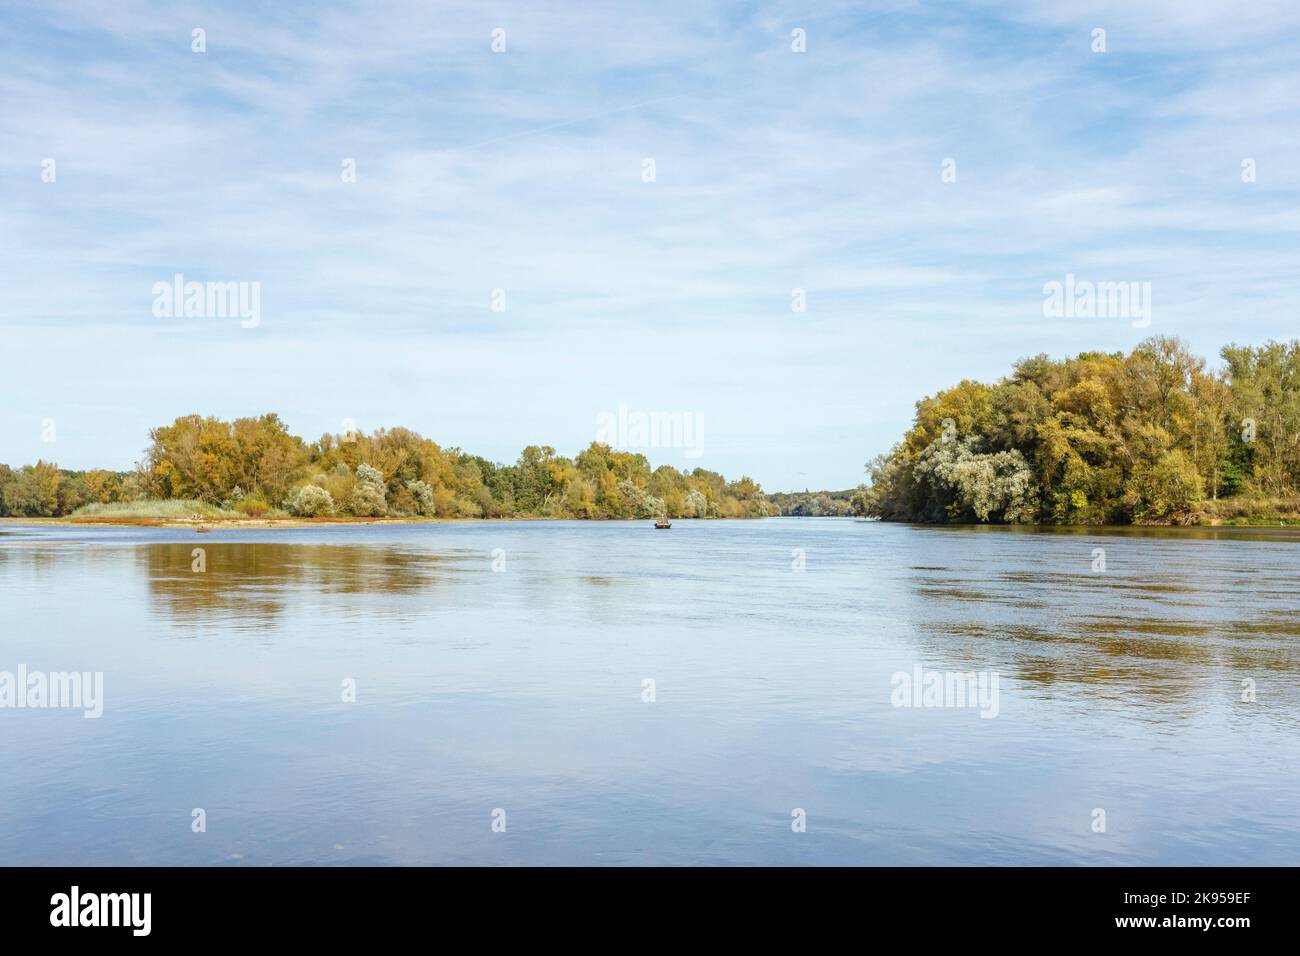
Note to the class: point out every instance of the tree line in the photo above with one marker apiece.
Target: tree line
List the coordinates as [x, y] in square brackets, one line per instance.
[817, 504]
[256, 467]
[1154, 436]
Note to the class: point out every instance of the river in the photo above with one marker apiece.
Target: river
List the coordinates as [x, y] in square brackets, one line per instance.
[724, 692]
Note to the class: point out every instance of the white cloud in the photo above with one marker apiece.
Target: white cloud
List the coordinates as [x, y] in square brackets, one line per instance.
[523, 171]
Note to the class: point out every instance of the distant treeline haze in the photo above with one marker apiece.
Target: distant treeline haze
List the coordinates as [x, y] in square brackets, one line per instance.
[818, 504]
[256, 467]
[1151, 437]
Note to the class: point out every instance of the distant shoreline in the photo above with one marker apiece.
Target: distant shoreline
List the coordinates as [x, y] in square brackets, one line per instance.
[223, 522]
[228, 523]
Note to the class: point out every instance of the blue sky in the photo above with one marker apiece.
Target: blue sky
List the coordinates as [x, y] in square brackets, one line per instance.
[523, 171]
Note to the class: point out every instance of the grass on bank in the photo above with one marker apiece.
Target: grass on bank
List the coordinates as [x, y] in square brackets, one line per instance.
[171, 509]
[1248, 512]
[158, 510]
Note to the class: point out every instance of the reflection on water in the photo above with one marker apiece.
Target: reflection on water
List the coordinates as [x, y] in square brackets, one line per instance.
[506, 665]
[253, 583]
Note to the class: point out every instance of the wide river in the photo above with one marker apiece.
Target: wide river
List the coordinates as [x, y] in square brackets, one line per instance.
[605, 693]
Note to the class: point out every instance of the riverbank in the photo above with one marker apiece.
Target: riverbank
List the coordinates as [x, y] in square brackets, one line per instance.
[209, 523]
[1224, 513]
[246, 521]
[231, 522]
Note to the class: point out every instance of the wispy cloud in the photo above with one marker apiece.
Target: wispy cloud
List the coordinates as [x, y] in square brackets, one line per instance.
[523, 171]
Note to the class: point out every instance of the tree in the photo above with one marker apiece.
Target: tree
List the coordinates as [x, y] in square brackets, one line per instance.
[967, 482]
[33, 491]
[1106, 437]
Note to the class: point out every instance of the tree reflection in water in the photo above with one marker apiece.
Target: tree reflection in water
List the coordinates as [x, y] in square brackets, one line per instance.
[256, 582]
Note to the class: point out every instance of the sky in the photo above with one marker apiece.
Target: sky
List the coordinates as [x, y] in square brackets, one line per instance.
[615, 208]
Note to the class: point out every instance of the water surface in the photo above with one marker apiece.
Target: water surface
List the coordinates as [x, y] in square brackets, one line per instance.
[523, 689]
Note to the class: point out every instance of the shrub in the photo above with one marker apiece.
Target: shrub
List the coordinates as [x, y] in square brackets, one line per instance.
[637, 503]
[423, 494]
[254, 505]
[1168, 488]
[310, 501]
[368, 475]
[367, 500]
[697, 506]
[998, 485]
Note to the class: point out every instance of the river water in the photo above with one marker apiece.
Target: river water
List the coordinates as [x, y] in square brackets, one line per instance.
[605, 693]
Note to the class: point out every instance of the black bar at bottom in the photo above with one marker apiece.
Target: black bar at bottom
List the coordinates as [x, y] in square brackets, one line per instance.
[337, 905]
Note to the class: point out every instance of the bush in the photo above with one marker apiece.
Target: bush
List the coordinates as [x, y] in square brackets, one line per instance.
[370, 476]
[1166, 489]
[697, 506]
[310, 501]
[423, 494]
[369, 498]
[367, 501]
[254, 505]
[966, 481]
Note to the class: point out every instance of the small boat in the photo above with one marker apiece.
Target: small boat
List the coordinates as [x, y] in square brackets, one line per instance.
[663, 523]
[203, 529]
